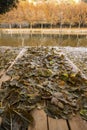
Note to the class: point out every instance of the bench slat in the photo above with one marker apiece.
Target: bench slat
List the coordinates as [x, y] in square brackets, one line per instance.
[40, 120]
[77, 123]
[55, 124]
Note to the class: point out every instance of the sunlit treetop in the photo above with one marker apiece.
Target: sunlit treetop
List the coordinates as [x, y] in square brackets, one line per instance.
[58, 1]
[6, 5]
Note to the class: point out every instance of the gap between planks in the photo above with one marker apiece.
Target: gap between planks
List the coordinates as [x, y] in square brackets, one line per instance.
[43, 122]
[77, 123]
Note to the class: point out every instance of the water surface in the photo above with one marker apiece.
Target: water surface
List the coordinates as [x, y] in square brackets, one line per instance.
[16, 40]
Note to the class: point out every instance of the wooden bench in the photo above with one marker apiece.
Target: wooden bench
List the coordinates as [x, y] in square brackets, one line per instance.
[43, 122]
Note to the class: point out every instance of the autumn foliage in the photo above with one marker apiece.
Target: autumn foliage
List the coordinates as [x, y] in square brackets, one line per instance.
[49, 14]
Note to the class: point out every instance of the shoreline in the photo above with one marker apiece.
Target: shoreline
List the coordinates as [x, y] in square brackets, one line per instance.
[63, 31]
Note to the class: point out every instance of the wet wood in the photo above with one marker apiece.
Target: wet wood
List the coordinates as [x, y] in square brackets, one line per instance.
[55, 124]
[77, 123]
[40, 120]
[21, 53]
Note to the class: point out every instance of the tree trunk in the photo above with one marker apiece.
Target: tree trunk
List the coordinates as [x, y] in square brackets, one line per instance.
[70, 25]
[30, 25]
[41, 26]
[10, 26]
[60, 25]
[79, 24]
[51, 25]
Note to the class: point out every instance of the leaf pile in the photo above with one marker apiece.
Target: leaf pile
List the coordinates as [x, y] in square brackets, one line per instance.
[78, 56]
[7, 55]
[42, 79]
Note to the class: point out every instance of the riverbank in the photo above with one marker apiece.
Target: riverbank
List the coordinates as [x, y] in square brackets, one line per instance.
[81, 31]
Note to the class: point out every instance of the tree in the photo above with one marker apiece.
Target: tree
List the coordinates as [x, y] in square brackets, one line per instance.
[81, 15]
[85, 1]
[6, 5]
[69, 15]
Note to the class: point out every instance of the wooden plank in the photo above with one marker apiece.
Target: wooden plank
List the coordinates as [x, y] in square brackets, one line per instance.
[21, 53]
[59, 124]
[77, 123]
[40, 120]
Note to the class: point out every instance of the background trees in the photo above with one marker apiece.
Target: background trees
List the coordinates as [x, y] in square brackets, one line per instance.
[5, 5]
[53, 14]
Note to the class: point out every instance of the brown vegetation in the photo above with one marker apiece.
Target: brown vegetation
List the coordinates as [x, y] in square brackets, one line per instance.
[47, 15]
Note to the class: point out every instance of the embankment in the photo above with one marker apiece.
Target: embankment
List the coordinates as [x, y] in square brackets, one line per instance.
[82, 31]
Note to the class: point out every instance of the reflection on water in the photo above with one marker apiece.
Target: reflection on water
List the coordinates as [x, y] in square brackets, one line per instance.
[42, 40]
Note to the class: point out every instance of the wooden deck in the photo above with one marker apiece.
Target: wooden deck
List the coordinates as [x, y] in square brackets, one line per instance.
[43, 122]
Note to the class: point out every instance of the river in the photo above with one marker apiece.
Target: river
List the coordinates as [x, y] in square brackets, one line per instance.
[17, 40]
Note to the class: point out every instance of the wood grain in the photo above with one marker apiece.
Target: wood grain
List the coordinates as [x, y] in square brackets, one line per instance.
[55, 124]
[40, 120]
[77, 123]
